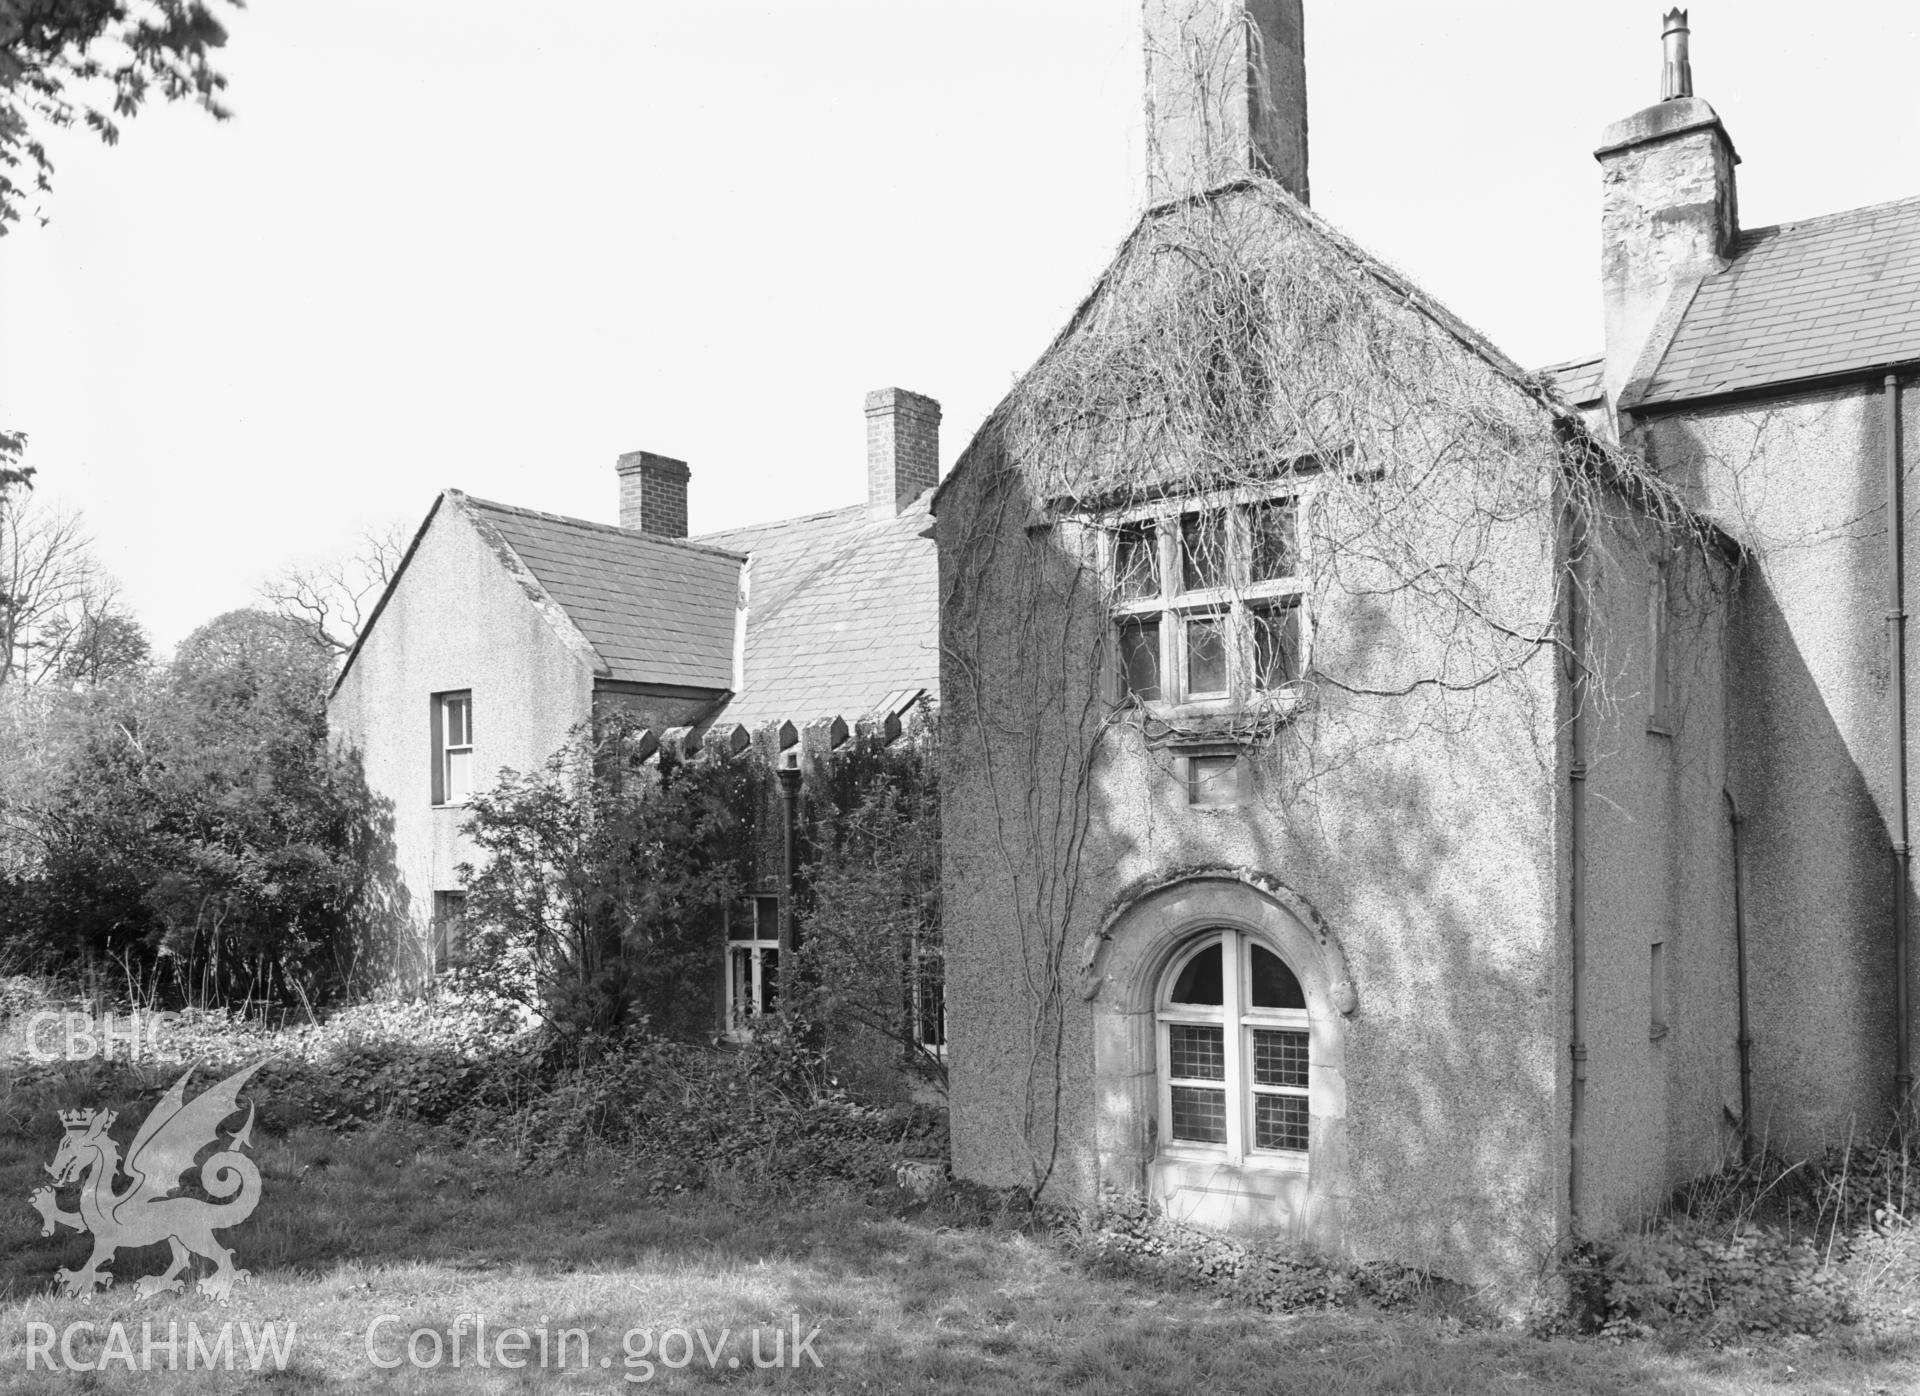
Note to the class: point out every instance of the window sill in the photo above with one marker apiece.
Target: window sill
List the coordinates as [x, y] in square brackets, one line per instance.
[1658, 1032]
[1659, 729]
[1220, 720]
[1259, 1162]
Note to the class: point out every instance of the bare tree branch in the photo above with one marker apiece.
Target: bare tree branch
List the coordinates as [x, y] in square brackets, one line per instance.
[337, 597]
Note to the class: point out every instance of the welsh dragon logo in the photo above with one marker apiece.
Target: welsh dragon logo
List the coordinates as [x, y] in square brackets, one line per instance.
[144, 1213]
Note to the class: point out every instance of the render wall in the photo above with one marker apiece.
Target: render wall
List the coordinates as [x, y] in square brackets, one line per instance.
[1661, 1097]
[1801, 481]
[456, 619]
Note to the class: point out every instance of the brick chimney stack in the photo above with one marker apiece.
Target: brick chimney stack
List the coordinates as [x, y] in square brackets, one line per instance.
[1226, 94]
[653, 493]
[903, 449]
[1669, 213]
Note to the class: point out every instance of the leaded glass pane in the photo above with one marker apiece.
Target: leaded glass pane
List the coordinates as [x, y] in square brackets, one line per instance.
[1140, 657]
[1273, 983]
[1279, 1122]
[1279, 1058]
[1203, 550]
[1199, 1115]
[1196, 1052]
[1136, 563]
[1272, 530]
[1276, 646]
[1207, 655]
[1199, 980]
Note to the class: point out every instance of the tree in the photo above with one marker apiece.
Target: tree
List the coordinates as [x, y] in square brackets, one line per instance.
[194, 822]
[106, 643]
[95, 62]
[51, 589]
[337, 598]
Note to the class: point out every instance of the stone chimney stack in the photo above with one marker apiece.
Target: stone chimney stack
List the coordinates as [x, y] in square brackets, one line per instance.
[903, 449]
[1226, 94]
[653, 493]
[1668, 214]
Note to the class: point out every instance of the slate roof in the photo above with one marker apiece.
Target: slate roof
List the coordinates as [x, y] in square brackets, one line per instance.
[1823, 297]
[655, 610]
[1578, 381]
[843, 610]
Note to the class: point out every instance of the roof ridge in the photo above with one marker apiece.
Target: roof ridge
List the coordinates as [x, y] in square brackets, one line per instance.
[781, 523]
[1796, 224]
[597, 527]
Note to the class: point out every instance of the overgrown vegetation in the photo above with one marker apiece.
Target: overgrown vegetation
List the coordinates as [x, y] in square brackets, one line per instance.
[186, 833]
[598, 902]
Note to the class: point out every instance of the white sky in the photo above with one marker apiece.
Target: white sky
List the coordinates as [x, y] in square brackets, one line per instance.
[487, 245]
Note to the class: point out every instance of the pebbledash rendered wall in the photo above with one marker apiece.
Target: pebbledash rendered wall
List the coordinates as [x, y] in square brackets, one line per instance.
[459, 619]
[1415, 882]
[1662, 1092]
[1801, 480]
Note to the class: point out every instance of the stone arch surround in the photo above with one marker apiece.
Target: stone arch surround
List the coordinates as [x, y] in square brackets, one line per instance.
[1124, 968]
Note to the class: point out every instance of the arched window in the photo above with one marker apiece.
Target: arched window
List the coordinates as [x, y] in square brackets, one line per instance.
[1233, 1053]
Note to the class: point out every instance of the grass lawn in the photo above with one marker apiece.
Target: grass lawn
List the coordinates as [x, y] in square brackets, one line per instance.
[392, 1222]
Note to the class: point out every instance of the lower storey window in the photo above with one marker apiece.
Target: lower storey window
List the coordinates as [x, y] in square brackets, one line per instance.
[449, 918]
[1234, 1050]
[753, 961]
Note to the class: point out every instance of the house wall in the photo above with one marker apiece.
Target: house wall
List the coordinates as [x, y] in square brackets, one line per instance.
[1801, 481]
[1413, 843]
[456, 619]
[1659, 1104]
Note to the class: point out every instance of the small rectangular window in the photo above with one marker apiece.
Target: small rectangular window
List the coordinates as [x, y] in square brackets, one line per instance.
[449, 925]
[1213, 782]
[452, 747]
[1140, 657]
[929, 998]
[753, 961]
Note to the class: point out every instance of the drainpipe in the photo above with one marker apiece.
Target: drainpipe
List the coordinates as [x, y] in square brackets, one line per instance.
[1577, 577]
[1745, 1040]
[790, 821]
[1897, 751]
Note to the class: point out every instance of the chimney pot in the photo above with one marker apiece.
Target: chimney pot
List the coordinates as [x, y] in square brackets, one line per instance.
[653, 493]
[903, 449]
[1676, 76]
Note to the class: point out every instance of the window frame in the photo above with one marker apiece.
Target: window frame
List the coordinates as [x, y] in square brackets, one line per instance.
[449, 926]
[762, 916]
[445, 750]
[1238, 1020]
[927, 997]
[1173, 606]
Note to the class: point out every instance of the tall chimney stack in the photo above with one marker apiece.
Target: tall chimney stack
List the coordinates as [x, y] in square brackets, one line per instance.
[1226, 94]
[653, 493]
[903, 449]
[1669, 213]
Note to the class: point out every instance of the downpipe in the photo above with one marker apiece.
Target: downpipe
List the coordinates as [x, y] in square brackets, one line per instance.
[1577, 569]
[1745, 1040]
[1897, 748]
